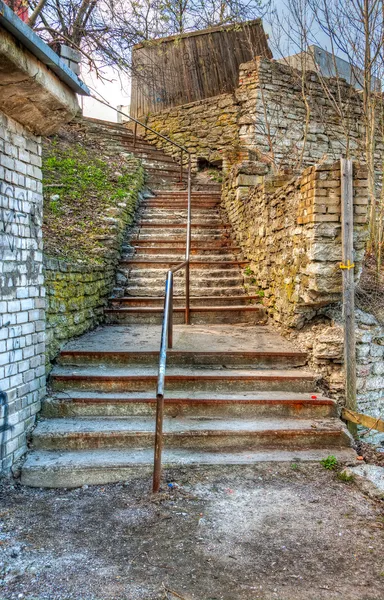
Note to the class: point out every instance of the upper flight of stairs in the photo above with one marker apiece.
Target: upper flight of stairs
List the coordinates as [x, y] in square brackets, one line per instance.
[236, 392]
[162, 171]
[156, 243]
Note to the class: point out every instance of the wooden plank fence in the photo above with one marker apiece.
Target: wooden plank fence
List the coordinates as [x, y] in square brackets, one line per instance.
[181, 69]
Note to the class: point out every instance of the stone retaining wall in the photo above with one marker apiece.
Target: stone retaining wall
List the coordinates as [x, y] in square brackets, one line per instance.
[291, 233]
[77, 293]
[275, 115]
[207, 128]
[76, 297]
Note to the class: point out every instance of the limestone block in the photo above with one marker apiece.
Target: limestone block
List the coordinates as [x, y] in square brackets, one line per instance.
[248, 180]
[242, 193]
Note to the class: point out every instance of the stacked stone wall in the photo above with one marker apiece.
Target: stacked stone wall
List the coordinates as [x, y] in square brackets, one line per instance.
[275, 115]
[291, 233]
[76, 297]
[77, 293]
[207, 128]
[22, 293]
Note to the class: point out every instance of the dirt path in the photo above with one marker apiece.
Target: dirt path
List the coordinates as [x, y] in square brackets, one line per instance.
[278, 532]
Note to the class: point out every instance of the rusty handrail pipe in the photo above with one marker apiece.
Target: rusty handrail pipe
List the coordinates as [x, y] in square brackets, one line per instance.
[167, 338]
[167, 325]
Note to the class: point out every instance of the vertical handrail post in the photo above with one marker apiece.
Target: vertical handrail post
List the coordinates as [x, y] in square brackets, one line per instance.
[188, 245]
[134, 136]
[160, 387]
[347, 266]
[170, 318]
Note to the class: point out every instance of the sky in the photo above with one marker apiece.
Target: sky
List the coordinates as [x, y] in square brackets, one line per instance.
[114, 91]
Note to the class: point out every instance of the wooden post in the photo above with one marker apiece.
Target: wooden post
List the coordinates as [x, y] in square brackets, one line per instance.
[347, 266]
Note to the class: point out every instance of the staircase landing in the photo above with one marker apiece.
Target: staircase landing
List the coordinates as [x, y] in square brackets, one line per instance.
[235, 394]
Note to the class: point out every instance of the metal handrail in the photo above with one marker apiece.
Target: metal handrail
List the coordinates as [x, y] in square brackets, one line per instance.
[167, 338]
[167, 325]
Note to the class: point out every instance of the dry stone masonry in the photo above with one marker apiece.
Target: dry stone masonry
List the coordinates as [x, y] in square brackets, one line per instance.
[207, 128]
[291, 233]
[77, 293]
[274, 115]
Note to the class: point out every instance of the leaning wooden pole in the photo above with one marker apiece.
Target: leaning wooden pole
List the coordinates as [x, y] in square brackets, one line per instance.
[348, 270]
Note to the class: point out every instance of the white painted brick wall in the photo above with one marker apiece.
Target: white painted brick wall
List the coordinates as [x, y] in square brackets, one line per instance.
[22, 293]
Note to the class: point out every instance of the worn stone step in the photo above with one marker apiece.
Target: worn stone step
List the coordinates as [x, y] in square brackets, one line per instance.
[180, 301]
[185, 432]
[157, 290]
[204, 379]
[198, 315]
[98, 467]
[266, 359]
[196, 404]
[140, 254]
[218, 253]
[195, 265]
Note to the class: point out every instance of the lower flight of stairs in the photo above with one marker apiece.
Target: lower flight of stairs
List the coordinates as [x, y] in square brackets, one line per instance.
[234, 395]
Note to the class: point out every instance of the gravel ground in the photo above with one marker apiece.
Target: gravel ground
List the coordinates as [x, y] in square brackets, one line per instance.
[265, 532]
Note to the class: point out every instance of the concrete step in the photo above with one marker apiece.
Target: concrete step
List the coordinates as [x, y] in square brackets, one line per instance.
[177, 245]
[156, 281]
[252, 314]
[198, 379]
[156, 236]
[179, 222]
[137, 254]
[195, 265]
[98, 467]
[157, 290]
[181, 213]
[196, 404]
[176, 253]
[180, 301]
[160, 194]
[170, 225]
[267, 359]
[84, 433]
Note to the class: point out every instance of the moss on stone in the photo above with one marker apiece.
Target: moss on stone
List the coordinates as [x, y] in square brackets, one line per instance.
[87, 198]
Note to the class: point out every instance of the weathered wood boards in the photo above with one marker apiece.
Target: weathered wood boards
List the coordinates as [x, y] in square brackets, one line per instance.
[375, 423]
[181, 69]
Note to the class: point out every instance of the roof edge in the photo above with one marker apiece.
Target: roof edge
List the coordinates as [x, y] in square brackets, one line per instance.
[28, 38]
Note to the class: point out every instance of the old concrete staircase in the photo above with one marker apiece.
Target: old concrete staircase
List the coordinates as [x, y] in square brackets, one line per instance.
[236, 391]
[161, 170]
[157, 243]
